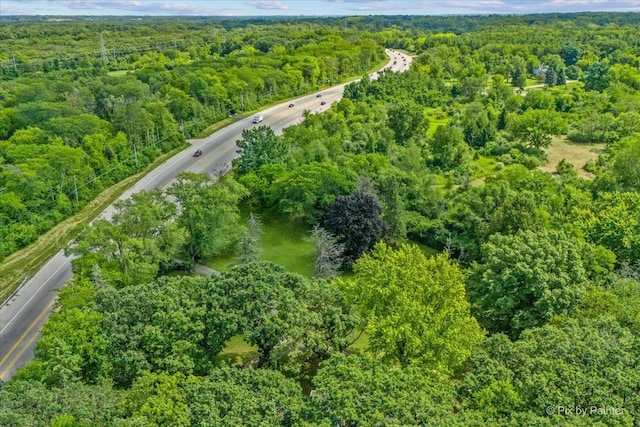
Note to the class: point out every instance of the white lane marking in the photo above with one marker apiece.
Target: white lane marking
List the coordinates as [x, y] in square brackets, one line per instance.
[33, 295]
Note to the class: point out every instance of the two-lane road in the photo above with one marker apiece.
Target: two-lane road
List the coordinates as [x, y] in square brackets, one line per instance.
[22, 316]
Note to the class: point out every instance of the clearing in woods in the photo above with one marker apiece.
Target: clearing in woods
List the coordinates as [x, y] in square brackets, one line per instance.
[574, 153]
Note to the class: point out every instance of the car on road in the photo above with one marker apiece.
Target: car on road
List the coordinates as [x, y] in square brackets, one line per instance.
[318, 95]
[258, 119]
[323, 103]
[197, 153]
[291, 105]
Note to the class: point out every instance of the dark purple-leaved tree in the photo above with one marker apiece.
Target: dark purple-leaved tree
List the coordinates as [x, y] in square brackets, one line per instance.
[357, 222]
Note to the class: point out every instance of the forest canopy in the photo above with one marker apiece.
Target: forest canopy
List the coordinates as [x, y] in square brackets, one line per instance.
[458, 280]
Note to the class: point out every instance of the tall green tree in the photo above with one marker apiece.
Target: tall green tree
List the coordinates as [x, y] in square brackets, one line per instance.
[407, 121]
[615, 224]
[175, 325]
[536, 127]
[477, 126]
[157, 400]
[449, 149]
[258, 146]
[358, 391]
[141, 240]
[265, 299]
[572, 364]
[413, 307]
[309, 190]
[527, 278]
[518, 72]
[72, 348]
[208, 212]
[244, 397]
[32, 403]
[598, 76]
[625, 163]
[570, 54]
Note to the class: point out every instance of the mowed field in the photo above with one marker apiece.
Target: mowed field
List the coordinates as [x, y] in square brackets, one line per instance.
[576, 154]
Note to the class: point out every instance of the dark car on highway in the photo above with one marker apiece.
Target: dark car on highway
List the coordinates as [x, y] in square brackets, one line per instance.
[291, 105]
[197, 153]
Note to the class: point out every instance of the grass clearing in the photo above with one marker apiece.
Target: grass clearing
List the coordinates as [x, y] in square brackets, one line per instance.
[427, 250]
[284, 242]
[27, 261]
[238, 352]
[574, 153]
[436, 118]
[483, 166]
[118, 73]
[531, 82]
[361, 343]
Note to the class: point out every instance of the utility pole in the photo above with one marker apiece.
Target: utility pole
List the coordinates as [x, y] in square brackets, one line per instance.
[75, 186]
[135, 154]
[103, 49]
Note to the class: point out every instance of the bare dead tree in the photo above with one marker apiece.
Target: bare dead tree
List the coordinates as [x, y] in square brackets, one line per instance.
[249, 245]
[328, 252]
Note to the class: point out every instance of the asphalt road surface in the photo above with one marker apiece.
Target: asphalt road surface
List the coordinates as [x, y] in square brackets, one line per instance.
[24, 313]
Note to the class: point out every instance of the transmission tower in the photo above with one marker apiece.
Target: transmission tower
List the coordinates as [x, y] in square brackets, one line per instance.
[103, 49]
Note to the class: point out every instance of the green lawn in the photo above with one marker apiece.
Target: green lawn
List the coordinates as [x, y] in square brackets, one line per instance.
[284, 242]
[238, 352]
[427, 250]
[531, 82]
[118, 73]
[436, 118]
[483, 166]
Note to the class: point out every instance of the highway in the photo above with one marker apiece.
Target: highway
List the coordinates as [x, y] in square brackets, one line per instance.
[24, 313]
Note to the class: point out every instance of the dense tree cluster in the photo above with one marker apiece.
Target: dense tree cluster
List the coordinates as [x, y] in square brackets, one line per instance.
[150, 235]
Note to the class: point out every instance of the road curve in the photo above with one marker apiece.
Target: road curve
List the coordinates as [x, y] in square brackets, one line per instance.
[24, 313]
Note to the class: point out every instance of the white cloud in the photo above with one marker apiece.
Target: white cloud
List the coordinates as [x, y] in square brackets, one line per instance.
[135, 7]
[358, 1]
[10, 10]
[533, 6]
[268, 5]
[308, 7]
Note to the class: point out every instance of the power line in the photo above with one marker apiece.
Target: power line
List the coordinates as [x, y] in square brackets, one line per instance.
[103, 49]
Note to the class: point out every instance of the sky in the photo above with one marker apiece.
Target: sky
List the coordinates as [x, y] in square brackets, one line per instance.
[307, 7]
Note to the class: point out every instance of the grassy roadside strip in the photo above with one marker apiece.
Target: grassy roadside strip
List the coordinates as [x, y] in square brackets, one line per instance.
[215, 127]
[27, 261]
